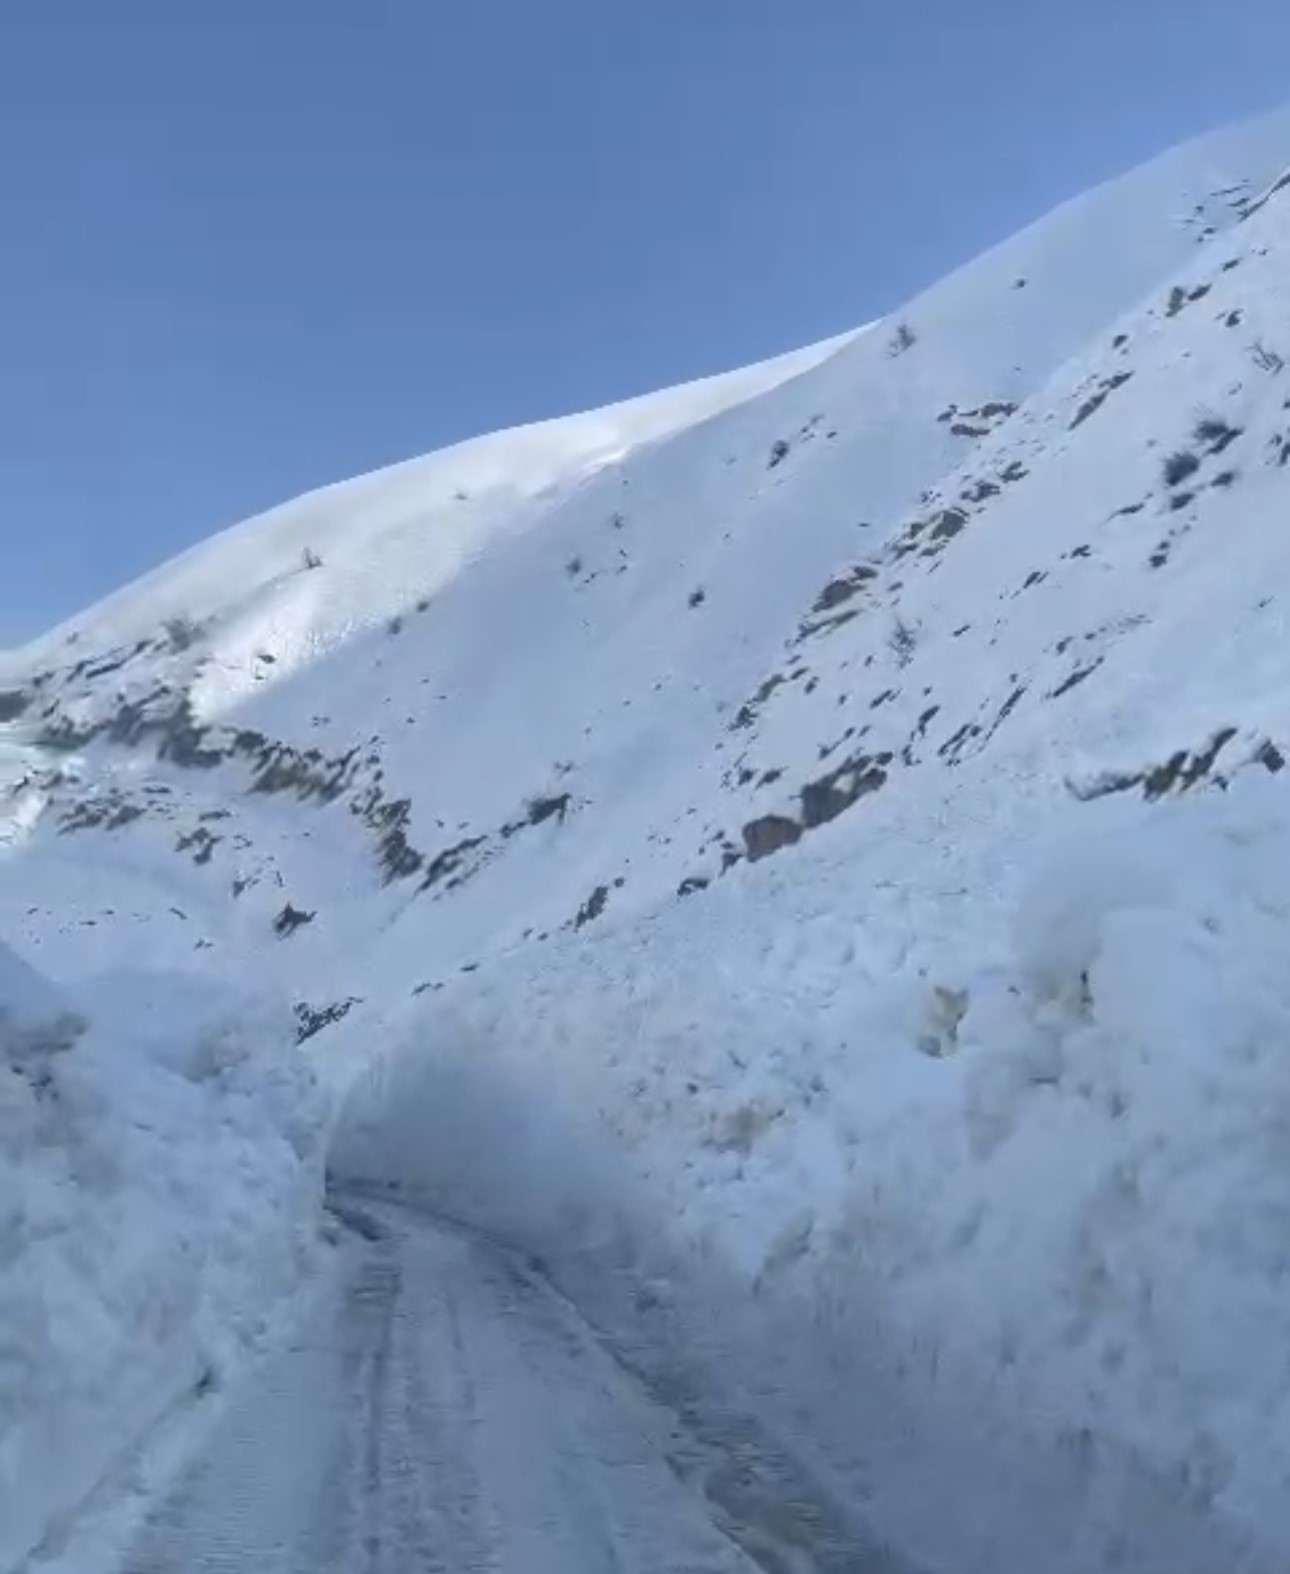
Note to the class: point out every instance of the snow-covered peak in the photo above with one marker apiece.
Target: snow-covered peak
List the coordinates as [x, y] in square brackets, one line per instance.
[990, 333]
[379, 535]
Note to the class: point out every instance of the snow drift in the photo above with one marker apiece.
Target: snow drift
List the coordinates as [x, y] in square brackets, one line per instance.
[1035, 1191]
[159, 1185]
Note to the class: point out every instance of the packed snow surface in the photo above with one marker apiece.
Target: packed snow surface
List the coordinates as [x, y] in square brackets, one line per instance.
[474, 1421]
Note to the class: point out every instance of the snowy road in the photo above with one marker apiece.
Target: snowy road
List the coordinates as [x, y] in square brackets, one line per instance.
[442, 1408]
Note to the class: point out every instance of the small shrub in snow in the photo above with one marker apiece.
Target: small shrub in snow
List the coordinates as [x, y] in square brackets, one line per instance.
[290, 919]
[903, 642]
[778, 453]
[182, 632]
[310, 559]
[903, 339]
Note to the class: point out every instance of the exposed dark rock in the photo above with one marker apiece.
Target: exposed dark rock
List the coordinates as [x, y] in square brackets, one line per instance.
[747, 712]
[542, 809]
[830, 795]
[200, 839]
[450, 860]
[1075, 679]
[826, 624]
[110, 812]
[957, 741]
[1178, 466]
[1215, 433]
[313, 1019]
[1184, 770]
[1179, 773]
[843, 588]
[592, 908]
[769, 834]
[947, 524]
[290, 919]
[1098, 398]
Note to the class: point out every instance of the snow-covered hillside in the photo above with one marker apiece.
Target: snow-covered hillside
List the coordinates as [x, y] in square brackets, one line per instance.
[858, 780]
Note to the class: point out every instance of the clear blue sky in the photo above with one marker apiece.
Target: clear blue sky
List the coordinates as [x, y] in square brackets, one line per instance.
[257, 245]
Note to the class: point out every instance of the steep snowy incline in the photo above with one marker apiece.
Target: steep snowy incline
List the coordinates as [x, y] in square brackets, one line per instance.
[380, 535]
[536, 737]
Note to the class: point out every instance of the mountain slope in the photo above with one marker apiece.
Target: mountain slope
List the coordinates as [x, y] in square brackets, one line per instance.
[768, 690]
[416, 524]
[604, 648]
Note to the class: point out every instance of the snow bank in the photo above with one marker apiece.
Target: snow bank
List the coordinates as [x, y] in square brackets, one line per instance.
[158, 1188]
[1132, 1138]
[1028, 1206]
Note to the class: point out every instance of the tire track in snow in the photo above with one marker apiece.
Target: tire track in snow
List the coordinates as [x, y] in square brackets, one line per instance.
[444, 1409]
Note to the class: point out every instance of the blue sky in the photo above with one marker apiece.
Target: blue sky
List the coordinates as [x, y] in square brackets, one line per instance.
[255, 246]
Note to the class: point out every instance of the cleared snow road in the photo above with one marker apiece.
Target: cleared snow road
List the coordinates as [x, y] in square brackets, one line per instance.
[442, 1408]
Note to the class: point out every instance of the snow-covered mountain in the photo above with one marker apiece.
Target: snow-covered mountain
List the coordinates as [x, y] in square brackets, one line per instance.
[697, 756]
